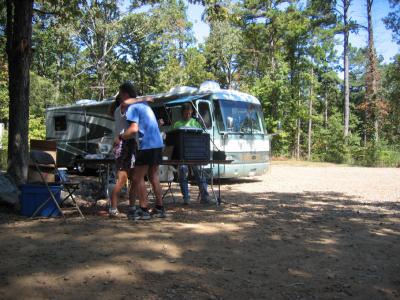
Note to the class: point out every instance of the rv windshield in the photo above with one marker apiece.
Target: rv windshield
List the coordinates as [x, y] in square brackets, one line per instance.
[239, 117]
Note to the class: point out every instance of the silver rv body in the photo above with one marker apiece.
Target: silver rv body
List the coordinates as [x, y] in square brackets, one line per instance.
[78, 129]
[233, 119]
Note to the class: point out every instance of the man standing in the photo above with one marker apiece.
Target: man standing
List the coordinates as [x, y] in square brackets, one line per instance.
[188, 121]
[143, 121]
[124, 152]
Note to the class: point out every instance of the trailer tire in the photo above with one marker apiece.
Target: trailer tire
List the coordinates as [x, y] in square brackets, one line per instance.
[80, 167]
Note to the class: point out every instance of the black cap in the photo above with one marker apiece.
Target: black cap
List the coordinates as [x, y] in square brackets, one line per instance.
[128, 88]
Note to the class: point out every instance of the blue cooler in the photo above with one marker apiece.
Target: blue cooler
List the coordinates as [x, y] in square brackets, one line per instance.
[33, 195]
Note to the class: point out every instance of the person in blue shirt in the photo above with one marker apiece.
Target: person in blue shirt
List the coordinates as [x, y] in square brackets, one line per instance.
[143, 122]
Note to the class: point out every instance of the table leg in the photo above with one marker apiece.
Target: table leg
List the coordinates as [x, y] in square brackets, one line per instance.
[219, 188]
[107, 180]
[212, 183]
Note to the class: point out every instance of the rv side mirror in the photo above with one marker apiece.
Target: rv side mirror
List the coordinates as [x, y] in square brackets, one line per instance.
[229, 122]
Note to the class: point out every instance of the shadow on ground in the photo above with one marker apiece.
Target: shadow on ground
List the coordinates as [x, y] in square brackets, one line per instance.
[258, 246]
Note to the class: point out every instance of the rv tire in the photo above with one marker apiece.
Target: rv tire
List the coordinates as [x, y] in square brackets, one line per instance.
[80, 167]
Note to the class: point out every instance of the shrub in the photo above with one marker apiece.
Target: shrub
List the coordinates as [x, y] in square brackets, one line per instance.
[380, 154]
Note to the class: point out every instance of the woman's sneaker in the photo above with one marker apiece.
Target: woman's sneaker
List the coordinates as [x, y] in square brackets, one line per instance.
[141, 214]
[115, 214]
[158, 212]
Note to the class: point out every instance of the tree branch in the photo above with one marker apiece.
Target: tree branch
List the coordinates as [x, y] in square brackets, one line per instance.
[42, 12]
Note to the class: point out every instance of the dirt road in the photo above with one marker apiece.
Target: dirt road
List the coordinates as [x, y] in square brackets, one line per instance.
[300, 232]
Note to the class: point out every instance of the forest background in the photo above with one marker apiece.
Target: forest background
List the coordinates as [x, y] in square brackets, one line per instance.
[335, 102]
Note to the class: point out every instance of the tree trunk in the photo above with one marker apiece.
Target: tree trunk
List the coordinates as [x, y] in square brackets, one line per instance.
[229, 75]
[19, 35]
[101, 74]
[59, 67]
[372, 76]
[298, 134]
[310, 106]
[326, 109]
[376, 129]
[346, 4]
[141, 63]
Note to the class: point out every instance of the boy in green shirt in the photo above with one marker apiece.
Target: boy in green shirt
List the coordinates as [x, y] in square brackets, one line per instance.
[188, 121]
[184, 123]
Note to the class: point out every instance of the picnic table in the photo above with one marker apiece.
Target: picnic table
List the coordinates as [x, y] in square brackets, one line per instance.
[202, 163]
[105, 170]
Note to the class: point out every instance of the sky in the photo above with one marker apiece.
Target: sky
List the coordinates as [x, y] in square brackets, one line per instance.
[200, 28]
[358, 12]
[382, 36]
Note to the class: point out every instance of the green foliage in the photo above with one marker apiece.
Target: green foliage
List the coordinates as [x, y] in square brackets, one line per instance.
[196, 68]
[42, 93]
[37, 128]
[3, 151]
[222, 49]
[391, 82]
[141, 55]
[330, 144]
[97, 33]
[283, 52]
[193, 73]
[3, 81]
[3, 91]
[172, 74]
[155, 48]
[379, 154]
[273, 94]
[392, 21]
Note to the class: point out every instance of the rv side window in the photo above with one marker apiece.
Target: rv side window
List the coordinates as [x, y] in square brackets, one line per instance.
[205, 114]
[218, 116]
[60, 123]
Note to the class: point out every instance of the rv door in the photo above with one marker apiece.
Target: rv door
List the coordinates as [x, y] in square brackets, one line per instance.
[204, 114]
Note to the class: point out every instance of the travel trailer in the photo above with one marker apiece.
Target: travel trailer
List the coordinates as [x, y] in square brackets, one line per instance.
[233, 119]
[79, 130]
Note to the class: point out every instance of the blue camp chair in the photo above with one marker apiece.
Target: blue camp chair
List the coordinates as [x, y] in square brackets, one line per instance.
[41, 159]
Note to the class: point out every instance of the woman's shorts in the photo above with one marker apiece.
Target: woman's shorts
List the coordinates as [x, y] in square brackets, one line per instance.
[149, 157]
[125, 155]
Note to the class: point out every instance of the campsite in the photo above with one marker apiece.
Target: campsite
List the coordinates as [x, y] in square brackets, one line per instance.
[305, 231]
[200, 149]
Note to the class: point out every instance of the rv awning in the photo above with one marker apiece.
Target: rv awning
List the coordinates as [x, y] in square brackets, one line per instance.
[184, 99]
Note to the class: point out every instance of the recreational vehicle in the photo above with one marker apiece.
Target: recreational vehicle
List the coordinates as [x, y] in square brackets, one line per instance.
[79, 130]
[233, 119]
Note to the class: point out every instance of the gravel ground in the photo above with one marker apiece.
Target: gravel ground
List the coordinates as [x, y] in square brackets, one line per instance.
[303, 231]
[363, 184]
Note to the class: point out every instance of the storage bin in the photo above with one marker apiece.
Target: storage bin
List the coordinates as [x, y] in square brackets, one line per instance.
[189, 144]
[33, 195]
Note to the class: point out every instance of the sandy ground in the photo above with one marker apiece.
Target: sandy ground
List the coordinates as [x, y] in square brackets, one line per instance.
[299, 232]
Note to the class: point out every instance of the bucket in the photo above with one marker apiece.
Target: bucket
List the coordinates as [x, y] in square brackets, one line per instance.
[33, 195]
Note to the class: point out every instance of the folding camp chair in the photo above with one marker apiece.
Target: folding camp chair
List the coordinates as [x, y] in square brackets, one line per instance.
[166, 175]
[43, 159]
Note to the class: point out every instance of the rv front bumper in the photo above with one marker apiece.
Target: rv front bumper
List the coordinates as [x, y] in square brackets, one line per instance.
[241, 170]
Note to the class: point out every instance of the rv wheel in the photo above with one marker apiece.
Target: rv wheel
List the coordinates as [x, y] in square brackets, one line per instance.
[80, 167]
